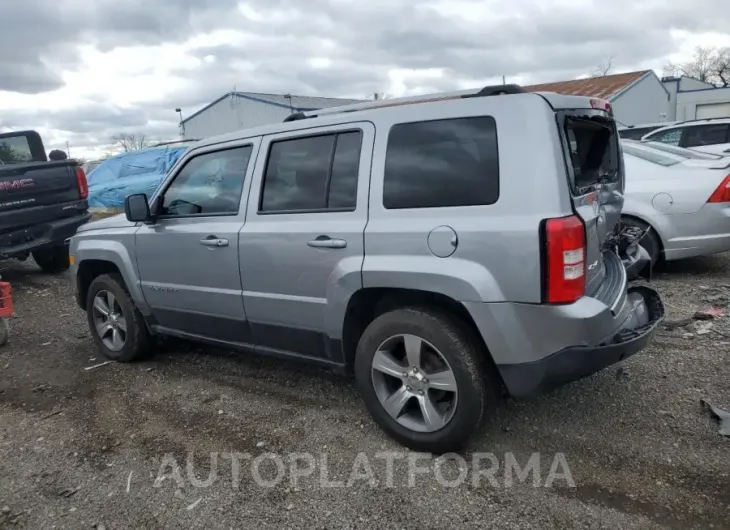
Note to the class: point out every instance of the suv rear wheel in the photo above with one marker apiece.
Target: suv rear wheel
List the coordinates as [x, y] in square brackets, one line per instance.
[422, 376]
[118, 329]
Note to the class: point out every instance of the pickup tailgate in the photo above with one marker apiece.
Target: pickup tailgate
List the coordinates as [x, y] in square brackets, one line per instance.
[38, 192]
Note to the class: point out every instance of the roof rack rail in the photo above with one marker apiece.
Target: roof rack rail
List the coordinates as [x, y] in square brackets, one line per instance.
[493, 90]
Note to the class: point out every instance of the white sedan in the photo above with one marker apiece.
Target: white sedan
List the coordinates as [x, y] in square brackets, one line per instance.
[682, 196]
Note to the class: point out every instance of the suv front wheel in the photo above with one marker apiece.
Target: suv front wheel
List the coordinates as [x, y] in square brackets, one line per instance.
[118, 328]
[423, 377]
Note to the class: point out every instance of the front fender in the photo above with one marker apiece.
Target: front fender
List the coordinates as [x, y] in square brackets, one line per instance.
[114, 251]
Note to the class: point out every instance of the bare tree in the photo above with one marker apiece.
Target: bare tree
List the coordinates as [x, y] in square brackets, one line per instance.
[721, 67]
[604, 68]
[709, 65]
[129, 142]
[377, 96]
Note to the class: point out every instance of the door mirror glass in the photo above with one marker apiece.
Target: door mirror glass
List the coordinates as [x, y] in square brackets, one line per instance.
[136, 208]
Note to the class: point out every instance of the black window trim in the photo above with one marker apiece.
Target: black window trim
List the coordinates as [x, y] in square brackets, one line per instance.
[685, 135]
[336, 133]
[496, 141]
[160, 196]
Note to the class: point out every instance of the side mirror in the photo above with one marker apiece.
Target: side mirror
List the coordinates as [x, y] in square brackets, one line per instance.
[136, 208]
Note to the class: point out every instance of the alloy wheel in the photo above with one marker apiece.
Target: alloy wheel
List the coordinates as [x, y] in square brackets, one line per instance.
[109, 321]
[414, 383]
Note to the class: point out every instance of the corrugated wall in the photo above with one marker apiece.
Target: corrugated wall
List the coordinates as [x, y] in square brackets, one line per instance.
[232, 114]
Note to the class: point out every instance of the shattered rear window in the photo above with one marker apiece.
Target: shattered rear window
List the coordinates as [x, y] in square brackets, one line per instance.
[593, 150]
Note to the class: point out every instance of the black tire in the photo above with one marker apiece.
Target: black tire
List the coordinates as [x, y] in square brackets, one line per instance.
[478, 389]
[650, 241]
[138, 340]
[52, 259]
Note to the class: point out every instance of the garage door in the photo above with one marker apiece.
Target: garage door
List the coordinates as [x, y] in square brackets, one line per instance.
[714, 110]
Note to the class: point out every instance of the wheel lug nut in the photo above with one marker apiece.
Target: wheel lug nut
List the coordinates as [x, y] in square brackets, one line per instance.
[425, 380]
[409, 388]
[420, 392]
[405, 374]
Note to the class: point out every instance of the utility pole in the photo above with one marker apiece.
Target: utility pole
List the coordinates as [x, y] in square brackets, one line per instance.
[503, 81]
[182, 123]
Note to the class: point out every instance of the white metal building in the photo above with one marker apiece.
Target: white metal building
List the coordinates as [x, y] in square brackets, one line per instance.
[696, 100]
[241, 110]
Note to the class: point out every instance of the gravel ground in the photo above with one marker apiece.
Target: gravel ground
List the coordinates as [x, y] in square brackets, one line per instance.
[86, 448]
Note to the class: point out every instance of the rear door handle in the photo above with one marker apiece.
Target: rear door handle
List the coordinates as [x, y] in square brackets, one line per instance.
[327, 242]
[212, 241]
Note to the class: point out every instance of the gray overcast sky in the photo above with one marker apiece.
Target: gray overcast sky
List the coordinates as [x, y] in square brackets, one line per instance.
[81, 71]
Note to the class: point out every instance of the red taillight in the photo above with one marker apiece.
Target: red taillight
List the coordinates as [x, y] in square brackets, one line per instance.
[601, 104]
[81, 183]
[722, 193]
[565, 243]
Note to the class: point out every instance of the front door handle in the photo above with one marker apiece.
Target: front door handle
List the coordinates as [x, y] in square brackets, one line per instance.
[212, 241]
[327, 242]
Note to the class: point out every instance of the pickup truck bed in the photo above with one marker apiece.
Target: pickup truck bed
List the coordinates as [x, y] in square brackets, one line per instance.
[41, 205]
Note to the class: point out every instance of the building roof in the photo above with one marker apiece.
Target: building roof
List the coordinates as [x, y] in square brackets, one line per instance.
[288, 101]
[605, 87]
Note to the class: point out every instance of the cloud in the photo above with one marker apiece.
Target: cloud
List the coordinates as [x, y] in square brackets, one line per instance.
[88, 70]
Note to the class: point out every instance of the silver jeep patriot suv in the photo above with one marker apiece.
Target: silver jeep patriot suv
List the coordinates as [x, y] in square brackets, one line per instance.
[447, 249]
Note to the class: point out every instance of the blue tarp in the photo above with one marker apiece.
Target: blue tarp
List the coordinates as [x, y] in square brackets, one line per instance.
[139, 171]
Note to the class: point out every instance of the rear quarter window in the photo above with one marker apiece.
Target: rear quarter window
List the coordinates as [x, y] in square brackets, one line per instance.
[442, 163]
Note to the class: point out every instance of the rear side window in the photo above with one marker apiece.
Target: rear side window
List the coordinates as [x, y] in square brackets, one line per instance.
[312, 174]
[699, 135]
[440, 163]
[593, 149]
[15, 150]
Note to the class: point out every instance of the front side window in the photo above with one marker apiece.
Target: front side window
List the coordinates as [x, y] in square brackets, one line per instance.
[699, 135]
[442, 163]
[208, 184]
[312, 173]
[671, 137]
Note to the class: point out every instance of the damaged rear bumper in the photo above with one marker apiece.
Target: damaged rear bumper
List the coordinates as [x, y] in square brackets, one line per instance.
[575, 362]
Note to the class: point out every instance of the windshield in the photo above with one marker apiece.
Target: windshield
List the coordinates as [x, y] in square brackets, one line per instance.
[651, 155]
[681, 151]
